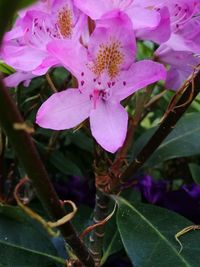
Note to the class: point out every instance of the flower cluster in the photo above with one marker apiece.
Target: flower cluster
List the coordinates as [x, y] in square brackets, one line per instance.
[96, 42]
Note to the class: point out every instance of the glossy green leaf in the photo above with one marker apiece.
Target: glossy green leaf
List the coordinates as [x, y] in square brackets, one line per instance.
[195, 171]
[22, 242]
[112, 240]
[148, 234]
[65, 165]
[183, 141]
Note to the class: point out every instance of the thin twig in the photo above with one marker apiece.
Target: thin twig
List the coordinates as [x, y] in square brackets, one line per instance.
[51, 84]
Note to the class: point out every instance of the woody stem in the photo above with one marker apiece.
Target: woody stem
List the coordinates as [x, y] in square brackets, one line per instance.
[30, 159]
[97, 236]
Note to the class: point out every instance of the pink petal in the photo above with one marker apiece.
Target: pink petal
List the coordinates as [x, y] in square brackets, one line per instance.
[182, 64]
[161, 32]
[22, 58]
[64, 110]
[16, 32]
[111, 28]
[93, 8]
[71, 54]
[109, 125]
[79, 20]
[16, 78]
[139, 75]
[142, 17]
[175, 79]
[47, 63]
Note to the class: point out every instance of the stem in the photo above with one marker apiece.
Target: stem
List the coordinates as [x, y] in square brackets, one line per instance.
[2, 174]
[101, 164]
[29, 156]
[51, 84]
[141, 99]
[97, 237]
[30, 159]
[167, 125]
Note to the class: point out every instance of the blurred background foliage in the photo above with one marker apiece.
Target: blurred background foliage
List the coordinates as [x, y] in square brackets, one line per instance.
[68, 157]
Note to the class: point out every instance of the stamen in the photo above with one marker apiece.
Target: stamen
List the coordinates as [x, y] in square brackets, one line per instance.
[109, 57]
[65, 22]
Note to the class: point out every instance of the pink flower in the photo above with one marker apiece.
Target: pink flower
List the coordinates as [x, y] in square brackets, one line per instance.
[149, 22]
[106, 74]
[187, 38]
[24, 47]
[181, 65]
[180, 51]
[184, 23]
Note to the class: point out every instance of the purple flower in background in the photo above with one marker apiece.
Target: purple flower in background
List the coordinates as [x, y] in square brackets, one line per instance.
[78, 189]
[152, 191]
[185, 200]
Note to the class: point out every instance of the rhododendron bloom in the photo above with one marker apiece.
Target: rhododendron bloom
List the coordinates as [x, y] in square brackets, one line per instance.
[106, 74]
[181, 51]
[184, 23]
[24, 47]
[149, 22]
[187, 38]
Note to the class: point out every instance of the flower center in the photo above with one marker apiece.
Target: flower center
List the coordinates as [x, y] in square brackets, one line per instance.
[99, 94]
[109, 58]
[65, 24]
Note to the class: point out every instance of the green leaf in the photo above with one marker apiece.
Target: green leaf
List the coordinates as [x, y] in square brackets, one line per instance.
[183, 141]
[112, 240]
[4, 68]
[195, 171]
[82, 141]
[148, 232]
[25, 3]
[8, 9]
[65, 165]
[83, 218]
[22, 242]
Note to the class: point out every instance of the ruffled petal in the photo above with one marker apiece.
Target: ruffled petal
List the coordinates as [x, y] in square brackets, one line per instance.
[160, 33]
